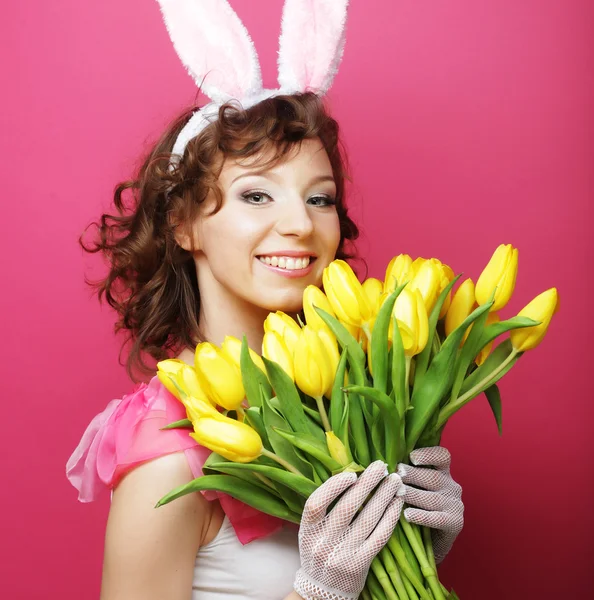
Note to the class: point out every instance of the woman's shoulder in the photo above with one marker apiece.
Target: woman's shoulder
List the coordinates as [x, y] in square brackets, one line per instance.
[128, 433]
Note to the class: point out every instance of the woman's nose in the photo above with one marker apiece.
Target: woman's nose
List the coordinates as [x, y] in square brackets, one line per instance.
[295, 219]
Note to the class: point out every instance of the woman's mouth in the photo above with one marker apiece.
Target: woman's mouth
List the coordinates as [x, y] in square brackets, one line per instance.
[290, 266]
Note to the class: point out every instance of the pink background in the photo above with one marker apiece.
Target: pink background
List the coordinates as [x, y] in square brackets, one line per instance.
[468, 124]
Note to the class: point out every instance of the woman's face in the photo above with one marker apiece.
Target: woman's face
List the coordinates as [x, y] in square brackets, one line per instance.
[275, 233]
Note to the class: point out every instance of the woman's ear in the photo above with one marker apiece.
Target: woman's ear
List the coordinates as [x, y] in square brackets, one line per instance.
[187, 235]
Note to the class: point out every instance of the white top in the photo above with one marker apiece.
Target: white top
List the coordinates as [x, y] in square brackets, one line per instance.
[263, 569]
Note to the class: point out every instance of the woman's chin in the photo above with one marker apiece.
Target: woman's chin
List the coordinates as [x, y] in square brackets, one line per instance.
[289, 303]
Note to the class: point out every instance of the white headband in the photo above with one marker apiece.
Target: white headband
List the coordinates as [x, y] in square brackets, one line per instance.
[216, 49]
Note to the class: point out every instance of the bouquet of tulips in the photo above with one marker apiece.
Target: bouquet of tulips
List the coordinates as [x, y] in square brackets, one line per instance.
[376, 370]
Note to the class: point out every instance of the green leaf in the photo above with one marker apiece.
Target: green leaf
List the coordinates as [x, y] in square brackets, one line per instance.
[252, 377]
[389, 417]
[311, 446]
[215, 463]
[356, 355]
[467, 354]
[280, 445]
[496, 329]
[437, 381]
[493, 362]
[290, 401]
[253, 416]
[423, 358]
[312, 413]
[399, 381]
[356, 359]
[337, 399]
[494, 398]
[181, 424]
[499, 362]
[245, 492]
[379, 342]
[297, 483]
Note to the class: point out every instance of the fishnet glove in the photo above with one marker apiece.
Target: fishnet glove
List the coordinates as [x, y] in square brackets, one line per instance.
[438, 503]
[336, 549]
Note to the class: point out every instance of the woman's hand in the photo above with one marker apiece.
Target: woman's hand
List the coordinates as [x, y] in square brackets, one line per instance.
[337, 546]
[438, 501]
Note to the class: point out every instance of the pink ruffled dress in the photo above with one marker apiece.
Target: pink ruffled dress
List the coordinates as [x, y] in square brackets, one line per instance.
[127, 433]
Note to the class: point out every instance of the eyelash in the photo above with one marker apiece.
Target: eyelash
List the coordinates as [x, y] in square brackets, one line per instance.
[328, 200]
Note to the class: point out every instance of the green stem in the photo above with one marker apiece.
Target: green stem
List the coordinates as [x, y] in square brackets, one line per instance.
[365, 595]
[373, 585]
[410, 590]
[404, 563]
[281, 461]
[394, 573]
[449, 409]
[411, 559]
[428, 542]
[323, 414]
[427, 570]
[407, 361]
[384, 580]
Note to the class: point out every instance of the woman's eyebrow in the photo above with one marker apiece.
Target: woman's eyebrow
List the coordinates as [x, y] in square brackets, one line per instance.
[267, 173]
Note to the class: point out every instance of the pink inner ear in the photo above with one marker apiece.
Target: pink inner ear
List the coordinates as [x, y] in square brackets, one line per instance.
[311, 42]
[214, 45]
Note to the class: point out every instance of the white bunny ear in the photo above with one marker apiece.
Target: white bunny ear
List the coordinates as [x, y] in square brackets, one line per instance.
[215, 47]
[311, 44]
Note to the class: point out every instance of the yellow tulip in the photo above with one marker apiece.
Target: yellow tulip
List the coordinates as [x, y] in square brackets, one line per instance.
[197, 408]
[542, 309]
[313, 296]
[462, 305]
[427, 281]
[329, 342]
[446, 275]
[314, 368]
[499, 275]
[492, 317]
[413, 323]
[373, 290]
[219, 376]
[337, 449]
[275, 349]
[286, 327]
[397, 272]
[415, 266]
[231, 439]
[183, 374]
[231, 346]
[345, 294]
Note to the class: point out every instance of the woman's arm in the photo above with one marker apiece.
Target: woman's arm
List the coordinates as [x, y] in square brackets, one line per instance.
[149, 552]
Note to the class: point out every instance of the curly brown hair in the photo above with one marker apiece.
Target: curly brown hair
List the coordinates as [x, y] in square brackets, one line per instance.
[151, 281]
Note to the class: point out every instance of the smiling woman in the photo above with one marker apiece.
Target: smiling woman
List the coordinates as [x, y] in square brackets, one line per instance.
[258, 188]
[236, 211]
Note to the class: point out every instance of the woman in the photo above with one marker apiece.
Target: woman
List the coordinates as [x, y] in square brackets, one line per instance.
[214, 237]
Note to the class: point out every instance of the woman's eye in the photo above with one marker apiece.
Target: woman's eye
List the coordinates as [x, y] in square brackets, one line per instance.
[322, 201]
[256, 197]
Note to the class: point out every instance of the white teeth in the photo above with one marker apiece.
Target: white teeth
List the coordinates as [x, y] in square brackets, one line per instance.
[286, 262]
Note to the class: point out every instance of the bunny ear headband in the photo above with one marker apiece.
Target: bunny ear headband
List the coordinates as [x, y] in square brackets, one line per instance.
[215, 47]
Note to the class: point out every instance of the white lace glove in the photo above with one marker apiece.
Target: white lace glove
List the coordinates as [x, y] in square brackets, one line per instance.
[438, 501]
[337, 547]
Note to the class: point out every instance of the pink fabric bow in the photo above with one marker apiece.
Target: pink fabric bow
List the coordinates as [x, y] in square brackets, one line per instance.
[127, 433]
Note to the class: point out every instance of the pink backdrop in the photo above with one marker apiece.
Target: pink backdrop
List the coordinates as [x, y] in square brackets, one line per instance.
[468, 123]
